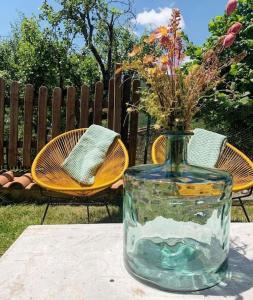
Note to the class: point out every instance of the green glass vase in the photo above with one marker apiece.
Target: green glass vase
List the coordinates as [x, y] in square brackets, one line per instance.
[176, 221]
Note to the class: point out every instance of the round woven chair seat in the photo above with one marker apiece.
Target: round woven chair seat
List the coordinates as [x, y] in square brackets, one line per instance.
[48, 173]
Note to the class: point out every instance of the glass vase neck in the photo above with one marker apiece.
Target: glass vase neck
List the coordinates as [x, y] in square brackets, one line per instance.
[176, 149]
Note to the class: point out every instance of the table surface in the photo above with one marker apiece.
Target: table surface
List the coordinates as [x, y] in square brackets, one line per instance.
[84, 262]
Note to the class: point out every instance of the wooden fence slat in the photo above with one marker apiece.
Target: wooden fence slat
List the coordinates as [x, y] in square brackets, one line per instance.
[42, 118]
[134, 123]
[70, 108]
[97, 111]
[110, 113]
[84, 107]
[27, 139]
[117, 99]
[126, 96]
[13, 130]
[2, 96]
[56, 112]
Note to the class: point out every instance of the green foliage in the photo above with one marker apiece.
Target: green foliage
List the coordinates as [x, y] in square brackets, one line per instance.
[43, 52]
[229, 109]
[103, 25]
[40, 57]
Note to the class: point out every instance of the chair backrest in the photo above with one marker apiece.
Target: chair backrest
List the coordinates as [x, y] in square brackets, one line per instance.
[231, 160]
[48, 173]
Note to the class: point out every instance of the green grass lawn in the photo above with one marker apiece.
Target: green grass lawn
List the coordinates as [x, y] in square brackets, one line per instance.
[15, 218]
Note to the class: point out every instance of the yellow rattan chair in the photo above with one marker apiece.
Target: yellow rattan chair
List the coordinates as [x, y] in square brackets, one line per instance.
[48, 173]
[231, 160]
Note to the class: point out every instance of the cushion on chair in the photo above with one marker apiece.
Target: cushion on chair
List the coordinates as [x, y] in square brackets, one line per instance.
[89, 153]
[205, 147]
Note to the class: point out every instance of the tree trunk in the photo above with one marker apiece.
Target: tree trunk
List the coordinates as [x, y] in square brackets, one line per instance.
[106, 79]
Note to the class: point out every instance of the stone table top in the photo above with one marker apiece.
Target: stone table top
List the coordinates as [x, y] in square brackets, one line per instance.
[84, 262]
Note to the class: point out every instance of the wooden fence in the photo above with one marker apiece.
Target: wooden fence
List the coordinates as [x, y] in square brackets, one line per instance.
[28, 122]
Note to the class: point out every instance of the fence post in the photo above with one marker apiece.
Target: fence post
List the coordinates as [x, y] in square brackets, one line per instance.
[2, 96]
[70, 108]
[84, 107]
[27, 139]
[97, 110]
[13, 131]
[56, 112]
[42, 118]
[134, 123]
[110, 114]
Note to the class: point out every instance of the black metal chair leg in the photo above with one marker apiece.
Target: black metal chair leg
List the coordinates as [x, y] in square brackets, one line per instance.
[4, 200]
[243, 208]
[45, 213]
[88, 213]
[108, 212]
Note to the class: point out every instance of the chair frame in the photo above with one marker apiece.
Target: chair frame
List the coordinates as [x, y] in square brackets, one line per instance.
[81, 192]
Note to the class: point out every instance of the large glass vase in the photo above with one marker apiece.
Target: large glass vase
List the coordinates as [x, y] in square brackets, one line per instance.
[176, 221]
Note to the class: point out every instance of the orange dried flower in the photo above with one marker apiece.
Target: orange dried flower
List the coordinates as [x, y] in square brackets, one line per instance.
[151, 39]
[161, 32]
[148, 59]
[136, 50]
[164, 59]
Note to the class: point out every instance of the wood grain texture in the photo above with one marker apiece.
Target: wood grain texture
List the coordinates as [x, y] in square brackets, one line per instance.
[2, 97]
[13, 130]
[134, 124]
[42, 118]
[56, 112]
[110, 114]
[84, 107]
[28, 113]
[97, 119]
[70, 108]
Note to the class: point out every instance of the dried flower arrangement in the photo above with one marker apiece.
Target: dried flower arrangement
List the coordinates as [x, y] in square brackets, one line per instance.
[171, 94]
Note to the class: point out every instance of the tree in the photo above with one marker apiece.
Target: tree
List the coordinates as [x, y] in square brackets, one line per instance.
[42, 57]
[8, 55]
[102, 24]
[229, 109]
